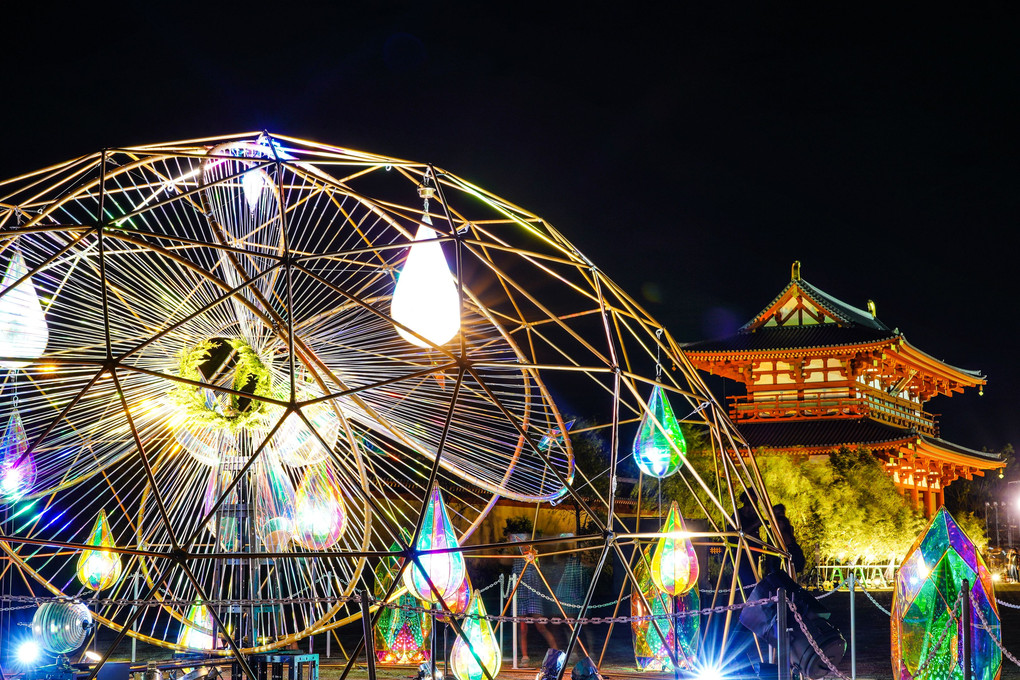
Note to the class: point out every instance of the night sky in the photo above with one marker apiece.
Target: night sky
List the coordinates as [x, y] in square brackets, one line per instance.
[692, 154]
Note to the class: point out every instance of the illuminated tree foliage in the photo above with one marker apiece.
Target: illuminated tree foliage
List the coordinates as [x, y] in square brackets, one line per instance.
[846, 505]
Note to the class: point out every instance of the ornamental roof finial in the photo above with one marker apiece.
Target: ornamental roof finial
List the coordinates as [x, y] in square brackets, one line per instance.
[795, 271]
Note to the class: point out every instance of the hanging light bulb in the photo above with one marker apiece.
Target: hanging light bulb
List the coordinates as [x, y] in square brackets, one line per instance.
[274, 505]
[23, 329]
[425, 298]
[99, 569]
[659, 447]
[446, 570]
[478, 636]
[17, 470]
[320, 516]
[224, 528]
[674, 564]
[196, 630]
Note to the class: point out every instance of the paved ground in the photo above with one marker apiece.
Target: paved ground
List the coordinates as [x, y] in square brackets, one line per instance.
[872, 638]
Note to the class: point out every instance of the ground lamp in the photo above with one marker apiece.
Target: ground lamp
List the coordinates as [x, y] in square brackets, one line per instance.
[23, 329]
[99, 569]
[479, 637]
[928, 585]
[400, 634]
[445, 570]
[650, 648]
[425, 298]
[61, 627]
[659, 447]
[17, 467]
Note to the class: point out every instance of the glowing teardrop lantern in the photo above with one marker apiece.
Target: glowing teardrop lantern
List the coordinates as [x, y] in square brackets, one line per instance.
[23, 329]
[675, 564]
[196, 631]
[224, 527]
[478, 636]
[425, 298]
[274, 505]
[458, 602]
[659, 447]
[446, 570]
[254, 183]
[99, 569]
[320, 516]
[17, 470]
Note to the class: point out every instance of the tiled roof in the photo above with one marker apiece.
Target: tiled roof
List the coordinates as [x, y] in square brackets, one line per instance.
[820, 433]
[792, 337]
[844, 432]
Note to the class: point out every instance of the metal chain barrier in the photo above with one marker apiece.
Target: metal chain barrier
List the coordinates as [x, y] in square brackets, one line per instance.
[814, 645]
[984, 624]
[825, 595]
[570, 605]
[596, 620]
[727, 590]
[875, 602]
[1007, 604]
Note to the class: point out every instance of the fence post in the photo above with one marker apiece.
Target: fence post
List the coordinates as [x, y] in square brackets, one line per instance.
[782, 637]
[853, 627]
[965, 616]
[502, 604]
[513, 584]
[366, 626]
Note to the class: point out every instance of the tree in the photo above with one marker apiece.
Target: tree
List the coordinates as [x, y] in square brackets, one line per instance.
[846, 505]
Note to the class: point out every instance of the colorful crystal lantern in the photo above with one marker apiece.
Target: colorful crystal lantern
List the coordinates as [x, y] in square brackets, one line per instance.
[400, 634]
[928, 585]
[478, 636]
[659, 447]
[674, 563]
[99, 569]
[445, 570]
[651, 652]
[320, 516]
[17, 470]
[196, 630]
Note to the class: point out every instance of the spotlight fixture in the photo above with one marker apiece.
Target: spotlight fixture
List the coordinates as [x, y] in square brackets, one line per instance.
[585, 670]
[708, 672]
[424, 672]
[551, 665]
[762, 622]
[29, 652]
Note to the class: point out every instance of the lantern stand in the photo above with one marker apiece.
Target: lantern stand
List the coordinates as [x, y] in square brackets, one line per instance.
[676, 636]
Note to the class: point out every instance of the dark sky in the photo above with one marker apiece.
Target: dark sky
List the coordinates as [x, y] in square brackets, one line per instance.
[691, 153]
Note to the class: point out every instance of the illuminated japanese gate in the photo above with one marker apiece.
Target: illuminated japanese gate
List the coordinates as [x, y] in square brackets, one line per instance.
[821, 374]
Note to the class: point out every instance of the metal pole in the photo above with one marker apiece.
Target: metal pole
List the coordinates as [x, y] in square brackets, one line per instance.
[782, 637]
[998, 543]
[513, 584]
[432, 654]
[134, 626]
[853, 627]
[502, 605]
[329, 635]
[965, 620]
[366, 624]
[676, 636]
